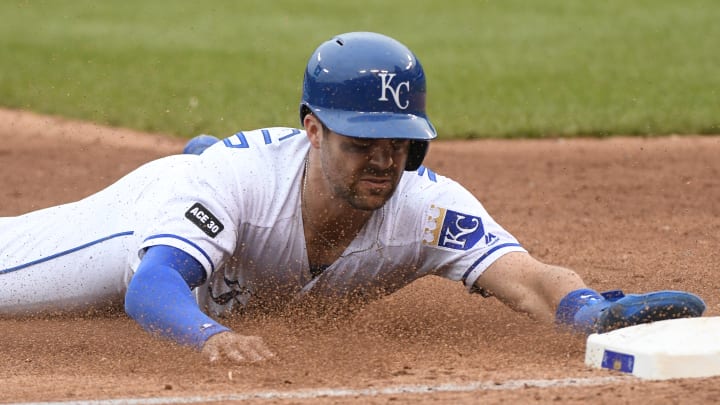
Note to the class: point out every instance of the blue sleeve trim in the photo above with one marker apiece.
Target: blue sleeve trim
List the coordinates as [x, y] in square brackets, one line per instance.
[160, 300]
[484, 256]
[168, 235]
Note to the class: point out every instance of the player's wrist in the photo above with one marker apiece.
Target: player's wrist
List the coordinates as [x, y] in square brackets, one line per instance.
[205, 332]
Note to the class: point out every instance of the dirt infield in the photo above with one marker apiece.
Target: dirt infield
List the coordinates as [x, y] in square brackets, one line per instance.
[630, 213]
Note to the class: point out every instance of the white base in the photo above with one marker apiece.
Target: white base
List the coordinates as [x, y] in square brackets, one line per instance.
[676, 348]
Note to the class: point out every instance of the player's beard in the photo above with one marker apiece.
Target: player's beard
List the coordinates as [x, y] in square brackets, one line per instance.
[362, 186]
[362, 196]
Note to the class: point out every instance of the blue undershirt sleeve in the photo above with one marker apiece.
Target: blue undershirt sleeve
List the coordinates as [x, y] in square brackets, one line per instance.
[159, 297]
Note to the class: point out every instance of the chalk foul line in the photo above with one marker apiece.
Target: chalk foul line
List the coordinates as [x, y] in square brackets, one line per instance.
[362, 392]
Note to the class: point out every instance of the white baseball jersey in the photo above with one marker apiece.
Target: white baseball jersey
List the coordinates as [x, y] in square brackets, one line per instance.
[236, 209]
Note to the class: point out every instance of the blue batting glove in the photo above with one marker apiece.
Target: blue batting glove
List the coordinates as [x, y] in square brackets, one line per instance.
[587, 311]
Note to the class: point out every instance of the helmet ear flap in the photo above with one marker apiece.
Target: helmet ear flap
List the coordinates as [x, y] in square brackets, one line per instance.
[416, 154]
[304, 110]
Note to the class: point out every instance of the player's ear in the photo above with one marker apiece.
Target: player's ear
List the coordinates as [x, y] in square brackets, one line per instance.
[314, 129]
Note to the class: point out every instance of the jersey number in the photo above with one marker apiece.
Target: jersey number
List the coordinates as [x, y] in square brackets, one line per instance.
[239, 140]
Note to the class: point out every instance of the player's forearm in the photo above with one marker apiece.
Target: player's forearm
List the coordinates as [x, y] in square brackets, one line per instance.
[159, 299]
[529, 286]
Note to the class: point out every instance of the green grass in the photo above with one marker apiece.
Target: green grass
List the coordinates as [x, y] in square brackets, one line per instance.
[507, 68]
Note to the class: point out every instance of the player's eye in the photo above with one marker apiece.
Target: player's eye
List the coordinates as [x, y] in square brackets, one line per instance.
[359, 145]
[399, 144]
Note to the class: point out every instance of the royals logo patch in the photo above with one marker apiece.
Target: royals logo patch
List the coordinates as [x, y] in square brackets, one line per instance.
[453, 230]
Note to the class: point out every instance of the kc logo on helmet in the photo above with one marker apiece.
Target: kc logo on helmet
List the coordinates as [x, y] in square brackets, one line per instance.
[394, 91]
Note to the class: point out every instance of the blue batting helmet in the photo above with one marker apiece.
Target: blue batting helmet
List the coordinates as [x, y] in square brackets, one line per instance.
[368, 85]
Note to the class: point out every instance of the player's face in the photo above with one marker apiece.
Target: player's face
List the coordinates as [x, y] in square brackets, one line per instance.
[363, 172]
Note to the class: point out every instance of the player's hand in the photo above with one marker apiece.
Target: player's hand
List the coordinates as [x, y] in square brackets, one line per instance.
[236, 348]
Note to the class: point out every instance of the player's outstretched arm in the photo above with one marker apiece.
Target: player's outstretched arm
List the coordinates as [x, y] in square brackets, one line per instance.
[159, 298]
[527, 285]
[557, 294]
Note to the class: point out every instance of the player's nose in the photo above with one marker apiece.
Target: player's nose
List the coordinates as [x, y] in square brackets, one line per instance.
[382, 154]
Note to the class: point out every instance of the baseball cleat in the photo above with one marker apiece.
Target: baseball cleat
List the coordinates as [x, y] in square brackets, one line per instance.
[198, 144]
[633, 309]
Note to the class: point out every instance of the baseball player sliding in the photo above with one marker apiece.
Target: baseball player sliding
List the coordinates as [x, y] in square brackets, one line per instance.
[340, 211]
